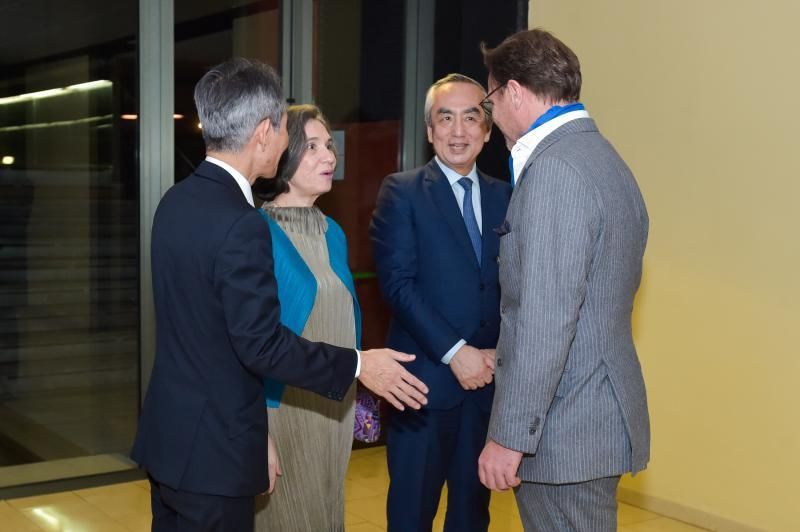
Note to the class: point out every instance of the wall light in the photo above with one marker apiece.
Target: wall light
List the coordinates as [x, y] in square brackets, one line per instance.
[49, 93]
[59, 123]
[7, 159]
[131, 116]
[90, 85]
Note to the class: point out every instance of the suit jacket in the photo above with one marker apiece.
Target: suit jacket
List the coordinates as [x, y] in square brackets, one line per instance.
[570, 392]
[430, 276]
[203, 424]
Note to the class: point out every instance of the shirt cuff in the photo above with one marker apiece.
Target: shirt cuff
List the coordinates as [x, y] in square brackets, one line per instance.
[450, 354]
[358, 363]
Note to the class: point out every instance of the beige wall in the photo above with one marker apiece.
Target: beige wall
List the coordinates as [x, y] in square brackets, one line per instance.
[701, 98]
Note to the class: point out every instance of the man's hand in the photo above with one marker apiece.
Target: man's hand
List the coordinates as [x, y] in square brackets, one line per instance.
[489, 356]
[382, 373]
[469, 367]
[273, 467]
[498, 465]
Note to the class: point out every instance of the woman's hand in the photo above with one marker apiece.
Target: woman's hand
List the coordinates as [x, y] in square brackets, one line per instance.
[273, 467]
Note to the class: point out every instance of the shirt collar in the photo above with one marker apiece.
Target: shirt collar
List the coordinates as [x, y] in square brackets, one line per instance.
[243, 183]
[526, 145]
[453, 176]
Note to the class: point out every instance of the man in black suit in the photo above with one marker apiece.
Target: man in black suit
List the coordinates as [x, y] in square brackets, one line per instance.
[202, 435]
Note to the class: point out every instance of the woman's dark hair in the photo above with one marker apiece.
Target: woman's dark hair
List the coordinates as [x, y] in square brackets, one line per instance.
[297, 116]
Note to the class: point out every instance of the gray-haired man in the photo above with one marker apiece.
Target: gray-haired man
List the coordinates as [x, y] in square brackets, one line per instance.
[435, 253]
[202, 435]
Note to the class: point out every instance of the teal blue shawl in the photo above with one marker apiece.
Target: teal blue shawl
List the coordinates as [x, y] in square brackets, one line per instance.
[297, 287]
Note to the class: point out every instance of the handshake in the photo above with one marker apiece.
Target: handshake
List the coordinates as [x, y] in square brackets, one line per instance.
[474, 368]
[382, 372]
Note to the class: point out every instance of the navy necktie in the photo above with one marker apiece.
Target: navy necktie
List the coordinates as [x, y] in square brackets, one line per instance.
[469, 217]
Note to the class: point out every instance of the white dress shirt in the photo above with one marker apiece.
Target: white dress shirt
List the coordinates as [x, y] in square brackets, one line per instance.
[247, 190]
[241, 180]
[453, 177]
[528, 142]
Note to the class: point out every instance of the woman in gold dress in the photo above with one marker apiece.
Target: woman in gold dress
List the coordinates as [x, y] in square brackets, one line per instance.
[311, 435]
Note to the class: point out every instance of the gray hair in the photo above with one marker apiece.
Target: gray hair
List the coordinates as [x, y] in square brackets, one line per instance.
[233, 98]
[456, 78]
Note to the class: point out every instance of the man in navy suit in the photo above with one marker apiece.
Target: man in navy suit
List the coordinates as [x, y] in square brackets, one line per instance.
[202, 434]
[436, 257]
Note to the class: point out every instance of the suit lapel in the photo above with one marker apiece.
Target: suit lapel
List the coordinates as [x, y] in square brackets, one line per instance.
[445, 200]
[491, 219]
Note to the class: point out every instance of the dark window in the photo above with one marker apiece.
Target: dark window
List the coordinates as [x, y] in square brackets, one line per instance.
[69, 317]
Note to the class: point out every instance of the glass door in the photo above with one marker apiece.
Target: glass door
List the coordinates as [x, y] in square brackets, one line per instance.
[207, 33]
[357, 77]
[69, 316]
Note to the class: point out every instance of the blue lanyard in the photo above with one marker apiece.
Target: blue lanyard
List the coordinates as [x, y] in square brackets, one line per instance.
[553, 112]
[556, 110]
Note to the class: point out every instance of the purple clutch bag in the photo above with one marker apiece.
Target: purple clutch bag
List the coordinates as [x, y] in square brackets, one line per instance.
[367, 427]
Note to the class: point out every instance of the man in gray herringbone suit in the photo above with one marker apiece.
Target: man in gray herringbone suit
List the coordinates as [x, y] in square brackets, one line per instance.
[570, 411]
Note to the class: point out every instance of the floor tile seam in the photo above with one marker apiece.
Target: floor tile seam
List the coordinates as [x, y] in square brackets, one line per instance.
[646, 519]
[366, 518]
[352, 516]
[372, 496]
[113, 518]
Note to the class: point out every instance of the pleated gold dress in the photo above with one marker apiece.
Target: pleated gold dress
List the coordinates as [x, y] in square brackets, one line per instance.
[313, 435]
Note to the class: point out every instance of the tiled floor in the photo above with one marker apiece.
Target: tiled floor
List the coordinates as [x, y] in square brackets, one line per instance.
[126, 507]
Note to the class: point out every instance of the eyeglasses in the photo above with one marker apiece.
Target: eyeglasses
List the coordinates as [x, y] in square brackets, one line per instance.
[486, 102]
